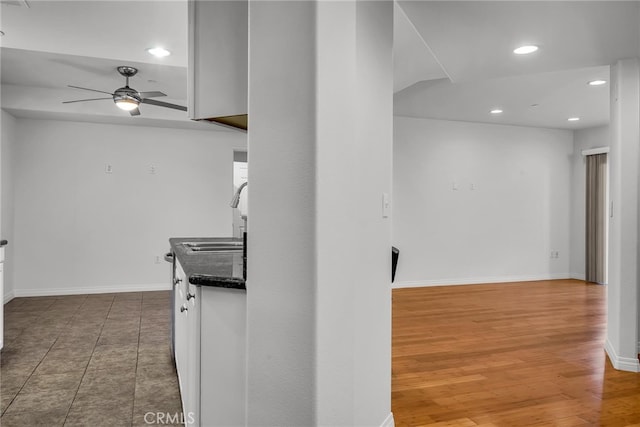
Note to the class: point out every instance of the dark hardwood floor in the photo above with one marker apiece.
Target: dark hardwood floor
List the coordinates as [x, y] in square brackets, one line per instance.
[516, 354]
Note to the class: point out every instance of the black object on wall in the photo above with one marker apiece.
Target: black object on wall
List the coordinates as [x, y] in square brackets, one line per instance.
[395, 254]
[244, 255]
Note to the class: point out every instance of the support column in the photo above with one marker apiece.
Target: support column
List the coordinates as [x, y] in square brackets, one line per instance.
[622, 289]
[319, 248]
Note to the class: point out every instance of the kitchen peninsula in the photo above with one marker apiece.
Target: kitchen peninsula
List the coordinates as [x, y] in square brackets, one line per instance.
[205, 265]
[209, 329]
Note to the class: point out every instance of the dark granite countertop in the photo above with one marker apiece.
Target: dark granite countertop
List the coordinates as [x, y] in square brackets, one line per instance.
[222, 270]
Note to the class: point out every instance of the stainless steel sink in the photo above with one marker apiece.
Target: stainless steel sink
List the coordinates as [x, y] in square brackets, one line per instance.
[218, 246]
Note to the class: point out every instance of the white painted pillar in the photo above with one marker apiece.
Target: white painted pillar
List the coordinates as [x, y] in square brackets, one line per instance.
[622, 289]
[319, 249]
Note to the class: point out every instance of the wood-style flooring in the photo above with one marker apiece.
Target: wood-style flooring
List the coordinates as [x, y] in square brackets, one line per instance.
[520, 354]
[88, 360]
[512, 354]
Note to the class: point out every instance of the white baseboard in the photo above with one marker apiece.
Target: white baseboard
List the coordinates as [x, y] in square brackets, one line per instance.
[91, 290]
[8, 297]
[388, 422]
[578, 276]
[479, 280]
[629, 364]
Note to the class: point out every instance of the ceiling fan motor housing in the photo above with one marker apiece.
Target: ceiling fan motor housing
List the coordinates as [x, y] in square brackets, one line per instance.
[127, 71]
[126, 93]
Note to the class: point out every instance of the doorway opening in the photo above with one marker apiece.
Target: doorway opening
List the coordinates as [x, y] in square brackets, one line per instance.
[597, 218]
[240, 171]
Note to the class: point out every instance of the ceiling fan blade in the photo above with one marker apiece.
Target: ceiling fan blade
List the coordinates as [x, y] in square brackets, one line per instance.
[93, 90]
[151, 94]
[135, 112]
[83, 100]
[163, 104]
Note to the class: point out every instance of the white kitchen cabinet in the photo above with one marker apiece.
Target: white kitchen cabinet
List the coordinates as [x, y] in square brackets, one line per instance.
[192, 406]
[2, 295]
[218, 61]
[181, 330]
[223, 314]
[210, 354]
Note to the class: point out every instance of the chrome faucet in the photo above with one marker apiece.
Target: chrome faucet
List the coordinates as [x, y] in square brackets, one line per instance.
[236, 197]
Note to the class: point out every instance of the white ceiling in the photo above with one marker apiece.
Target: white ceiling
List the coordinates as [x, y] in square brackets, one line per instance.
[52, 44]
[56, 71]
[558, 95]
[412, 58]
[472, 42]
[111, 29]
[452, 59]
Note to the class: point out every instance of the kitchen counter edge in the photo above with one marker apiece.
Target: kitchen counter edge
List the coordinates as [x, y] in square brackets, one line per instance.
[206, 269]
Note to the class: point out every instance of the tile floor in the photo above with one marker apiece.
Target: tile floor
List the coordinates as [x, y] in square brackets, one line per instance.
[88, 360]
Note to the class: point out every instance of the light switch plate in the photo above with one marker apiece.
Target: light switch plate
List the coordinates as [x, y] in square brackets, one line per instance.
[386, 205]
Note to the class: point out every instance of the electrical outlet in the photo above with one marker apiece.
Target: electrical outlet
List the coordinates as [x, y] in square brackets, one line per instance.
[108, 168]
[152, 169]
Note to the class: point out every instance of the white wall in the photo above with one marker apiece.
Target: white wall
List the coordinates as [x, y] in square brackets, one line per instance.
[624, 174]
[354, 151]
[281, 217]
[502, 230]
[79, 229]
[582, 140]
[320, 148]
[9, 135]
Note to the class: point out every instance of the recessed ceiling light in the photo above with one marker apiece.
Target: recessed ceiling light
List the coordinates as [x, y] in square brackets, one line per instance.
[496, 111]
[158, 52]
[573, 119]
[524, 50]
[597, 82]
[534, 105]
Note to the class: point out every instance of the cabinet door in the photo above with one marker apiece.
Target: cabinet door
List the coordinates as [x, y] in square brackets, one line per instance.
[192, 414]
[1, 304]
[180, 329]
[223, 315]
[218, 58]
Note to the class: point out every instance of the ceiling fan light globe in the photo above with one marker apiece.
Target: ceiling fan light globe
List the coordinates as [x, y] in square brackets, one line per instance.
[127, 104]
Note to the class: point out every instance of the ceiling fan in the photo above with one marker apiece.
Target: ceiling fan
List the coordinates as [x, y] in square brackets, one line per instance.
[127, 98]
